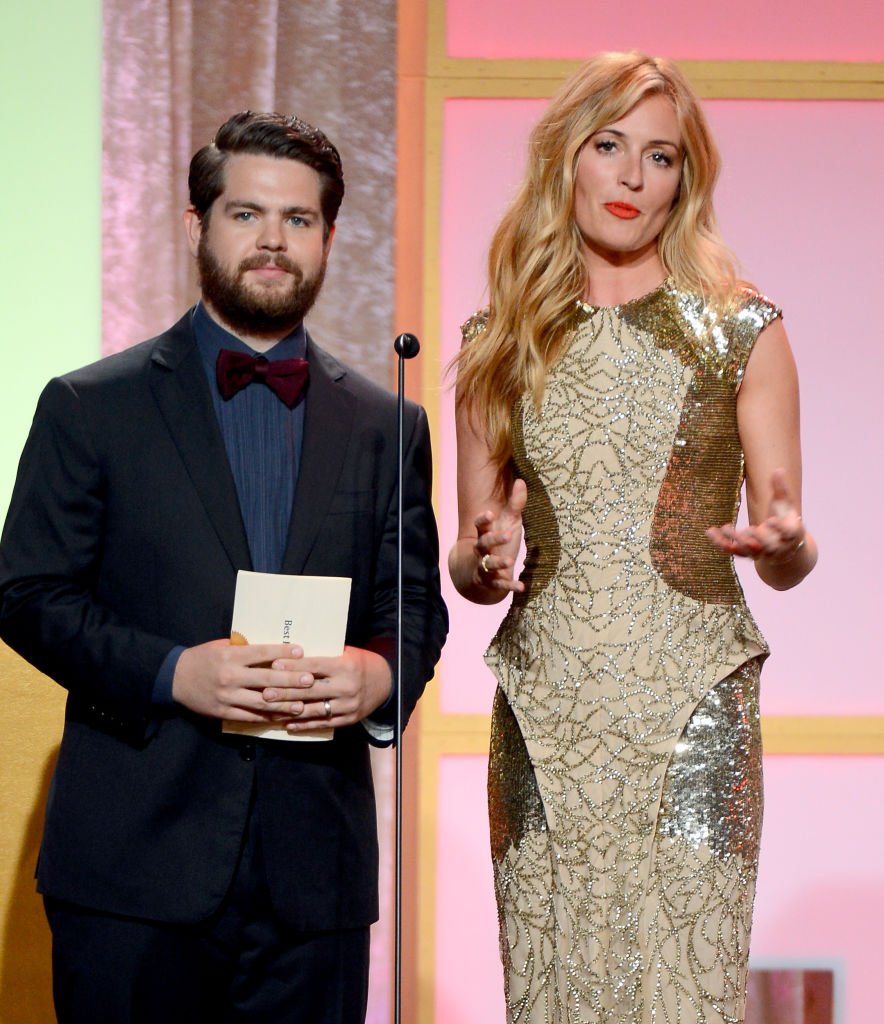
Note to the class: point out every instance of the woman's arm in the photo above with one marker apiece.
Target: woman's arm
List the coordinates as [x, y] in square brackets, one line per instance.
[489, 507]
[767, 417]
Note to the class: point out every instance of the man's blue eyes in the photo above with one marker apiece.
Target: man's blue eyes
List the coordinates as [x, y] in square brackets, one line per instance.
[245, 216]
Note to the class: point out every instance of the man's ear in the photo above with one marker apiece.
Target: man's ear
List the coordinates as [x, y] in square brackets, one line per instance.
[193, 226]
[329, 238]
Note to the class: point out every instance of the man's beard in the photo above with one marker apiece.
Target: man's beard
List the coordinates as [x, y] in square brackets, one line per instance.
[256, 311]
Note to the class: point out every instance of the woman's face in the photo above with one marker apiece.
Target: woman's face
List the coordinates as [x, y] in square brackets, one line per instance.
[628, 175]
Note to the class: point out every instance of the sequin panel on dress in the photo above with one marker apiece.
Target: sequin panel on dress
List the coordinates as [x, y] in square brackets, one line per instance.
[543, 547]
[514, 803]
[707, 448]
[702, 484]
[712, 794]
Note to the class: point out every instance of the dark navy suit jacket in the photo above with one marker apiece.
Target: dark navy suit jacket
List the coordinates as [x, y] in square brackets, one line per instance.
[123, 539]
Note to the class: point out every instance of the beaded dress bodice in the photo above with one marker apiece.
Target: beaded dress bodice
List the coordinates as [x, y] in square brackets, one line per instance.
[629, 623]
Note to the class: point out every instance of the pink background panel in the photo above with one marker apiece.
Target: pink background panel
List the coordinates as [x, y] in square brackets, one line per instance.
[820, 893]
[798, 202]
[821, 886]
[475, 189]
[468, 974]
[716, 30]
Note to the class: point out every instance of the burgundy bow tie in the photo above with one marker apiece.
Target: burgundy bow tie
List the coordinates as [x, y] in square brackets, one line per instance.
[285, 377]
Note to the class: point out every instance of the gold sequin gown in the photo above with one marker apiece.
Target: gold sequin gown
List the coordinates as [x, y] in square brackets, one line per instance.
[625, 773]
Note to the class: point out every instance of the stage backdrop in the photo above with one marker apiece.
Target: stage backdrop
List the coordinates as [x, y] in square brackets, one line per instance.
[799, 118]
[794, 96]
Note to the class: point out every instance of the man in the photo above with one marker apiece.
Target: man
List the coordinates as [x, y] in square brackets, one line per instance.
[191, 874]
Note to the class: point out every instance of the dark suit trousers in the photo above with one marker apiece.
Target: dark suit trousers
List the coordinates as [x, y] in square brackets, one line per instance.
[241, 967]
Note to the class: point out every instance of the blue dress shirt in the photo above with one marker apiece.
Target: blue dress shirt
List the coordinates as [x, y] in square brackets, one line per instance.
[263, 439]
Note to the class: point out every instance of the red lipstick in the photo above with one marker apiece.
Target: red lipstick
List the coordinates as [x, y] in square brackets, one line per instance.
[622, 210]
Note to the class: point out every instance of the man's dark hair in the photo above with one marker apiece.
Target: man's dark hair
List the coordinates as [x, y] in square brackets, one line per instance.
[288, 138]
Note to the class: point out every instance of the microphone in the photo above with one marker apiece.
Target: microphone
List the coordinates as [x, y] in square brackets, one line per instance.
[407, 346]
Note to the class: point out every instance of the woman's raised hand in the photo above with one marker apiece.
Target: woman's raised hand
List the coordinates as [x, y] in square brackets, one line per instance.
[497, 542]
[777, 538]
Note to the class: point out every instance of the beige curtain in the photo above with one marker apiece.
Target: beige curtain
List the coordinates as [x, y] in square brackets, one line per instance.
[173, 72]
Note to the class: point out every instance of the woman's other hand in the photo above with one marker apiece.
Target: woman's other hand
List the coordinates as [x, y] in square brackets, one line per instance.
[778, 538]
[489, 513]
[498, 537]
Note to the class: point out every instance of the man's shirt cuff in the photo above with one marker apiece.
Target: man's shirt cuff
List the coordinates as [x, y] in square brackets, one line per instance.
[162, 685]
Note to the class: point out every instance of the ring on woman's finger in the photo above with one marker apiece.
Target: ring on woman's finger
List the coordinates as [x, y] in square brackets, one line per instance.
[326, 705]
[483, 561]
[794, 552]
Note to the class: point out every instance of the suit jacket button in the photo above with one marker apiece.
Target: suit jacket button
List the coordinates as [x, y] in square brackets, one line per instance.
[247, 751]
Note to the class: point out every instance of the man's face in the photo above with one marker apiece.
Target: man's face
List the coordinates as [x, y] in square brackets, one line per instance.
[261, 256]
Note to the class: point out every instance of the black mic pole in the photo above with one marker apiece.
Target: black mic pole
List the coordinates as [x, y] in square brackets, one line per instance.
[407, 347]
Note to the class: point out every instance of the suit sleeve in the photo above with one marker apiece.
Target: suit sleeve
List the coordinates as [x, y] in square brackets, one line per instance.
[50, 556]
[425, 619]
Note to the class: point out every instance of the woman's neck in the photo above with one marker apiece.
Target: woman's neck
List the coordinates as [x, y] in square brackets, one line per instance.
[612, 281]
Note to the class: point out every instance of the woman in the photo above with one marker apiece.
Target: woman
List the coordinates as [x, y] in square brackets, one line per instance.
[609, 399]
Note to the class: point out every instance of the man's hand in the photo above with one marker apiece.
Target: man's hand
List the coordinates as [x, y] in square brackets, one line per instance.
[223, 680]
[323, 693]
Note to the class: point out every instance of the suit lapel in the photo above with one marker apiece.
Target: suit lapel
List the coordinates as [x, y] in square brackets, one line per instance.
[181, 390]
[328, 423]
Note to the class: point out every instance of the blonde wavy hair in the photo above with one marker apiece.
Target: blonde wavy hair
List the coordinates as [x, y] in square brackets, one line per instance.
[536, 269]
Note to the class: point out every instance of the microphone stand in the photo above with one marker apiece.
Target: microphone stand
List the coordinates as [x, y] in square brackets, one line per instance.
[407, 347]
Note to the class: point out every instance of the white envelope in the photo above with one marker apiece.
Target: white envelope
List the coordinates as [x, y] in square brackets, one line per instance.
[271, 608]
